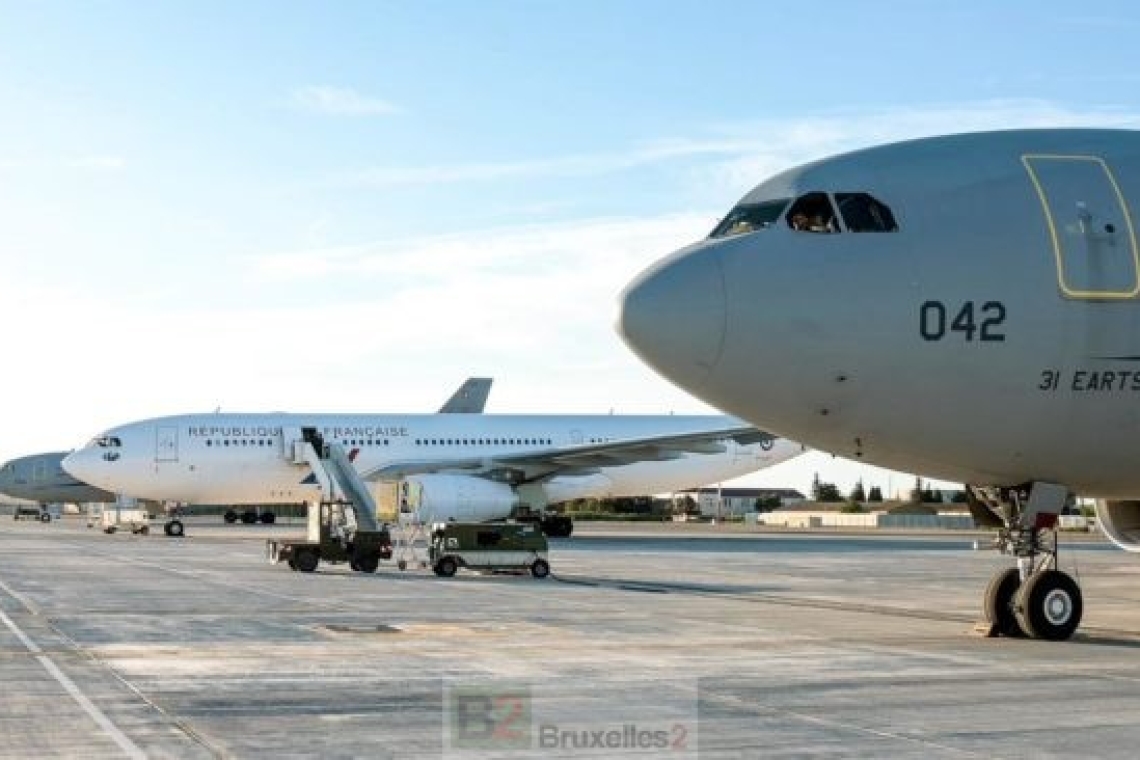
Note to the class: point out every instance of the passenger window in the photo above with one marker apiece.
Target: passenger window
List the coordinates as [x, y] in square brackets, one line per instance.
[863, 213]
[749, 217]
[812, 213]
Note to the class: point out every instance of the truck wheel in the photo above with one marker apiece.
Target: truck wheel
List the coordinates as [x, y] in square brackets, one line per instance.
[144, 530]
[109, 529]
[446, 567]
[540, 568]
[402, 565]
[268, 518]
[174, 528]
[248, 517]
[230, 517]
[292, 564]
[367, 563]
[307, 560]
[45, 517]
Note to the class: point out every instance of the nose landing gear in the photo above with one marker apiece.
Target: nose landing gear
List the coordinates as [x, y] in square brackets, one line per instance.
[1034, 599]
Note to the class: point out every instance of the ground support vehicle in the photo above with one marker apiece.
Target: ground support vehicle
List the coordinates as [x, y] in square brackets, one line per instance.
[337, 539]
[488, 546]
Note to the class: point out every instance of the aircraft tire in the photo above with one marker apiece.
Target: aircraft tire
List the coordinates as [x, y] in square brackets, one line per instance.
[540, 568]
[367, 563]
[999, 600]
[446, 567]
[1049, 606]
[174, 529]
[307, 560]
[230, 517]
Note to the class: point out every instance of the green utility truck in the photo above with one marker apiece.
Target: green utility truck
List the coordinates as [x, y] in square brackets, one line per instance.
[338, 542]
[488, 546]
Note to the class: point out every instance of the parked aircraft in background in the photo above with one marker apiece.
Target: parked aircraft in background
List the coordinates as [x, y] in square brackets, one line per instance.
[40, 478]
[965, 307]
[448, 466]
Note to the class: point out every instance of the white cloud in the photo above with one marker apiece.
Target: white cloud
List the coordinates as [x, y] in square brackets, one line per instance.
[340, 101]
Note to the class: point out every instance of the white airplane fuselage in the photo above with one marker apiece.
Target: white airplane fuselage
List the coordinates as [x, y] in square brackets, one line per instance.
[246, 459]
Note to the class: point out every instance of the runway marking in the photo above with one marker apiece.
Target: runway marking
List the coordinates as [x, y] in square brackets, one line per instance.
[29, 605]
[131, 749]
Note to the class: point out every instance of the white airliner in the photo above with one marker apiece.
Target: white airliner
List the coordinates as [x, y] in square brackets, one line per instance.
[461, 466]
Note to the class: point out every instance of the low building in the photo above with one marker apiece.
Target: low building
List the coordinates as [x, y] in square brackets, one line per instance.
[728, 502]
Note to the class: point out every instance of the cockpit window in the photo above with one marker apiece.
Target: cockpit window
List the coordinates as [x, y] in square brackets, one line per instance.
[863, 213]
[749, 217]
[106, 442]
[812, 213]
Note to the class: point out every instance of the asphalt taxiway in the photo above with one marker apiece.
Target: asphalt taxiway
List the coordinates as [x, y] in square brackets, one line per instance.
[669, 642]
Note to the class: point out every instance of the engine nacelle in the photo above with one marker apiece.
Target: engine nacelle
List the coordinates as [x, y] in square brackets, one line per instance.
[442, 497]
[1120, 521]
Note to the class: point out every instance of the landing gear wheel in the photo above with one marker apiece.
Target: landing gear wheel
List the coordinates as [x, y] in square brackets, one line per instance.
[446, 567]
[367, 563]
[1049, 606]
[540, 568]
[174, 528]
[998, 602]
[307, 560]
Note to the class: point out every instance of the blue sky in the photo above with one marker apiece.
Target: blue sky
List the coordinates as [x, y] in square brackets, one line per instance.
[354, 205]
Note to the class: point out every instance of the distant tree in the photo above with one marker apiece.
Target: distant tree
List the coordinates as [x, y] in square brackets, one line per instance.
[931, 496]
[875, 495]
[852, 508]
[816, 493]
[685, 505]
[916, 493]
[829, 492]
[768, 503]
[857, 493]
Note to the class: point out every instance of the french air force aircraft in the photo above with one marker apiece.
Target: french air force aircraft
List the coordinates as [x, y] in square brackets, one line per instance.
[453, 466]
[965, 306]
[41, 479]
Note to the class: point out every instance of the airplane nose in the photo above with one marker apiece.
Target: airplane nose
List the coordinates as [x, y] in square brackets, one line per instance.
[673, 314]
[77, 464]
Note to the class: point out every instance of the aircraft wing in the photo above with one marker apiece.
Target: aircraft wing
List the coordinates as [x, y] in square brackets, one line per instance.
[579, 459]
[471, 397]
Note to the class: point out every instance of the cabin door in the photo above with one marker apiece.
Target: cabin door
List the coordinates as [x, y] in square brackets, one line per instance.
[1089, 226]
[166, 444]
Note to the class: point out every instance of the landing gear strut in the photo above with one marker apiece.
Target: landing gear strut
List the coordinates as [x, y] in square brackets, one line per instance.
[1034, 599]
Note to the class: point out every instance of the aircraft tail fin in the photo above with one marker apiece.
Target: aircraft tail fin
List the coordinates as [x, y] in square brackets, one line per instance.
[470, 398]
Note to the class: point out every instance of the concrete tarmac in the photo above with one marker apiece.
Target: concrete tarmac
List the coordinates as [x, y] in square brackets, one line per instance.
[662, 642]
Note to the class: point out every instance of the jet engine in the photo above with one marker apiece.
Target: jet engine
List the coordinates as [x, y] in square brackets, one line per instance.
[1120, 521]
[442, 497]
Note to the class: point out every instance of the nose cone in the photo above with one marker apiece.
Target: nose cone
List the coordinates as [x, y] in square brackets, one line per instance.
[79, 464]
[673, 315]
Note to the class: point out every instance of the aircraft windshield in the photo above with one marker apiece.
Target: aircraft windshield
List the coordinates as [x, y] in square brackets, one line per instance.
[749, 217]
[106, 442]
